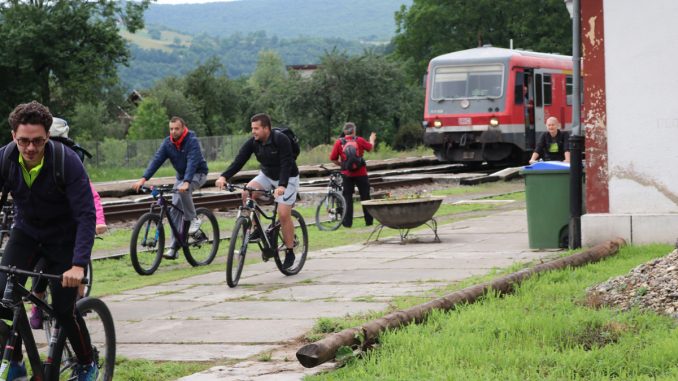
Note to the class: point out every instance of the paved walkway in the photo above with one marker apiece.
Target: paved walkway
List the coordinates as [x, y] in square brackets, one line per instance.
[201, 318]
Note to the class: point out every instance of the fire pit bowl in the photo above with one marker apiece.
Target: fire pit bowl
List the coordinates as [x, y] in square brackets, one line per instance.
[404, 213]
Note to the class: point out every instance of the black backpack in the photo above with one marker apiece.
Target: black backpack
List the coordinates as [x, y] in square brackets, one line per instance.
[353, 162]
[58, 145]
[292, 137]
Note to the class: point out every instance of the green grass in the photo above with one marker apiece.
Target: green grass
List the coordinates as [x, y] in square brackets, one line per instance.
[143, 370]
[544, 331]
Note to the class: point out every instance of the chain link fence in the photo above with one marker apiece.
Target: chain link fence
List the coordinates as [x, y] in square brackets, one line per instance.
[112, 153]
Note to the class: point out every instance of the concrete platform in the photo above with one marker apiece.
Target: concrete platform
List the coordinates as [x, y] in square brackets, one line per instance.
[202, 319]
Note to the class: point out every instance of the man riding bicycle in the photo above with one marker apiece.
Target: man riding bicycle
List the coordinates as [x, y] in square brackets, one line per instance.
[51, 223]
[182, 148]
[278, 170]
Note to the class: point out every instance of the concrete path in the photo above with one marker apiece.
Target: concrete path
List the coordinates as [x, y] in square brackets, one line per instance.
[202, 319]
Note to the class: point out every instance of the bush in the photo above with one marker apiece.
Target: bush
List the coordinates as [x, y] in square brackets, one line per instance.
[408, 137]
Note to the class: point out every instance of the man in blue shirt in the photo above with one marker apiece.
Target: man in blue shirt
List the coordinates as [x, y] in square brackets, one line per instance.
[182, 148]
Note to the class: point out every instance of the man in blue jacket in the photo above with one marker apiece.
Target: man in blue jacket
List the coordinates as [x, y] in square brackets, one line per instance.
[182, 148]
[53, 221]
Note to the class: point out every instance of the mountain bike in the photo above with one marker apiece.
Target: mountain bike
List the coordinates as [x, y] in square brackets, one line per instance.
[6, 222]
[148, 237]
[332, 208]
[271, 240]
[60, 360]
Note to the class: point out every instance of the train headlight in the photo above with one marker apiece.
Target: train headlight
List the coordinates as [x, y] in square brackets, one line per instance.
[424, 123]
[494, 122]
[437, 124]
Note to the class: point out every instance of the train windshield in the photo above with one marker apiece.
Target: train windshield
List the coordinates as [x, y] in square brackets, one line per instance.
[463, 82]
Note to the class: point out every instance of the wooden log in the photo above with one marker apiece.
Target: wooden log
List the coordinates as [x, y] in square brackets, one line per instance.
[314, 354]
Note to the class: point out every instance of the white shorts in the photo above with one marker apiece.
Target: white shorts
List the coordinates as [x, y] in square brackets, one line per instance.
[290, 195]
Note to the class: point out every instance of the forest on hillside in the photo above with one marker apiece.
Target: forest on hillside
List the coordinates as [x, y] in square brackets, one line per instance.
[346, 19]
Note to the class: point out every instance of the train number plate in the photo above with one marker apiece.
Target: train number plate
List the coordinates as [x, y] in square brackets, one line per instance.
[464, 121]
[469, 155]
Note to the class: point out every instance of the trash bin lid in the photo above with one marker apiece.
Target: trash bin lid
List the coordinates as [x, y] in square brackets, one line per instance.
[547, 166]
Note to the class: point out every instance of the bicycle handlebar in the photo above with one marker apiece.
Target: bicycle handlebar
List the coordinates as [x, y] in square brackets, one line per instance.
[14, 271]
[157, 189]
[232, 187]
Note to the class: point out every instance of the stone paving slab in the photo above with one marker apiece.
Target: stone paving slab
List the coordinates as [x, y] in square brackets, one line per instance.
[191, 352]
[279, 310]
[344, 292]
[255, 331]
[402, 275]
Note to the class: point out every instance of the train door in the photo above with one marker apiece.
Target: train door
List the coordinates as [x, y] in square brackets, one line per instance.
[524, 95]
[542, 97]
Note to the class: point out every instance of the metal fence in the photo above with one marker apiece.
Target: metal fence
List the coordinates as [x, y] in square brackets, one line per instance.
[112, 153]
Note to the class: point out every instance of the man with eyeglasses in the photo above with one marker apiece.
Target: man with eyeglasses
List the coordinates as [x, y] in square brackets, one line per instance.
[50, 223]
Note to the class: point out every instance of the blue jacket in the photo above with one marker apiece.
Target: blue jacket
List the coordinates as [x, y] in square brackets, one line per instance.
[50, 215]
[187, 161]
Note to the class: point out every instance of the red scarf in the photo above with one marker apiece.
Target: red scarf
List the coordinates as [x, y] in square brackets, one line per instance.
[181, 139]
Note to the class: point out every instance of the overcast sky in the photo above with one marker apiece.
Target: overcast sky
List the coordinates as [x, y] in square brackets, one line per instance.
[189, 1]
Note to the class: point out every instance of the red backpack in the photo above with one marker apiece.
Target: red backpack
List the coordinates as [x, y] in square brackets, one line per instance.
[353, 161]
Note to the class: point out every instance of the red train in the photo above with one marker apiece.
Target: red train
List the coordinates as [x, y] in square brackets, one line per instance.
[490, 104]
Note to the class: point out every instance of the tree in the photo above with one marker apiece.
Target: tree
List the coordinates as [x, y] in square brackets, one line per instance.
[267, 85]
[210, 91]
[429, 28]
[62, 51]
[369, 90]
[150, 121]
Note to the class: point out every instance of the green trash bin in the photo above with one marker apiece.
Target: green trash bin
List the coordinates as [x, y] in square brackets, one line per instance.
[547, 194]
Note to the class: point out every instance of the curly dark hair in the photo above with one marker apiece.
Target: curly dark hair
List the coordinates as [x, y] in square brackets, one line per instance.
[30, 113]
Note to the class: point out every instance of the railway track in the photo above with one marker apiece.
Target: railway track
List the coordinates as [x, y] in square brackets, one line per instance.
[125, 211]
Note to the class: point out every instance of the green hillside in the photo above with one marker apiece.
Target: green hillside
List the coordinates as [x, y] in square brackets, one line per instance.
[371, 20]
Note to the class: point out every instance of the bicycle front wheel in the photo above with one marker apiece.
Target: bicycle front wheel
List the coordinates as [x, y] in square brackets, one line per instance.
[237, 250]
[330, 212]
[99, 322]
[204, 242]
[147, 244]
[300, 246]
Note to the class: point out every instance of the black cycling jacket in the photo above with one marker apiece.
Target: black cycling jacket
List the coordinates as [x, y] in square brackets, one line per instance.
[274, 155]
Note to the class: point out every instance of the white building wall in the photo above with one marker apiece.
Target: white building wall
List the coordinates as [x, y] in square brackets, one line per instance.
[641, 79]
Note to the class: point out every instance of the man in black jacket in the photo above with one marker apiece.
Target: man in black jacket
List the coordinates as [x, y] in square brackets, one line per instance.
[57, 225]
[552, 144]
[273, 150]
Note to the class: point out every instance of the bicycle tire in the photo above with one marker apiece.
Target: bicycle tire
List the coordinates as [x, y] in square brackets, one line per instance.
[204, 243]
[146, 255]
[99, 323]
[237, 251]
[330, 212]
[300, 246]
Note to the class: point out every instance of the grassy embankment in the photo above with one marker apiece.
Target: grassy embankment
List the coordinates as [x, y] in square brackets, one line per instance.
[545, 331]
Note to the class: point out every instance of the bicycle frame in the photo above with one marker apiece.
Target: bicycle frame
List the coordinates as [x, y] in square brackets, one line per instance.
[13, 298]
[254, 211]
[165, 206]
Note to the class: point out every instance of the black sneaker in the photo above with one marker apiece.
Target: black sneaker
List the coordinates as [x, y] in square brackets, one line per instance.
[255, 235]
[289, 258]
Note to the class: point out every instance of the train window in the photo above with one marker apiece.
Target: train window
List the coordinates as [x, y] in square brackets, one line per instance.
[548, 89]
[459, 82]
[518, 92]
[538, 96]
[568, 89]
